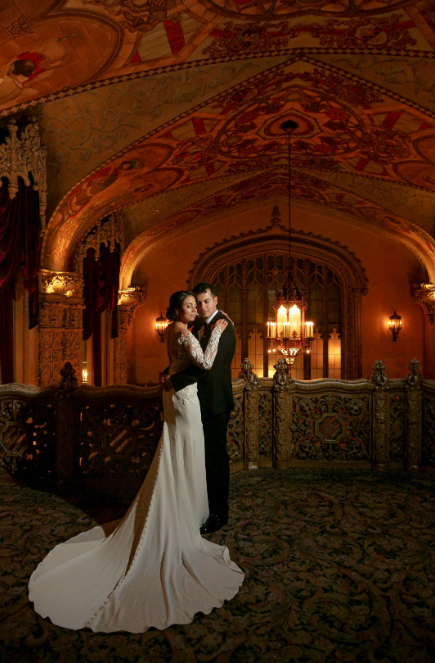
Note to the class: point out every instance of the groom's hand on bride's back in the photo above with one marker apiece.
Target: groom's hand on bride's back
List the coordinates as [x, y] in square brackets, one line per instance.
[165, 381]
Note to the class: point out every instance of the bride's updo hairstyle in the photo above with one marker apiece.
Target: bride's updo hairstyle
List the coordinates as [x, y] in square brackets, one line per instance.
[176, 302]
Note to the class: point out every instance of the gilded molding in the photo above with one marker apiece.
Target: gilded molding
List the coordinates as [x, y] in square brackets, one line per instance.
[251, 397]
[60, 324]
[69, 284]
[425, 297]
[129, 301]
[381, 419]
[105, 232]
[22, 154]
[282, 414]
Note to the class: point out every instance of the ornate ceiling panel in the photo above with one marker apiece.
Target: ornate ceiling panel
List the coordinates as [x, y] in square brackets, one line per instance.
[51, 48]
[84, 130]
[174, 107]
[345, 126]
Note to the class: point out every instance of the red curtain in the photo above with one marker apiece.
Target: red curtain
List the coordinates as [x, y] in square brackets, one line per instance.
[20, 233]
[101, 290]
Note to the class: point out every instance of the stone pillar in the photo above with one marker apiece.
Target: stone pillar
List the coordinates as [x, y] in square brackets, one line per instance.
[128, 302]
[381, 418]
[251, 398]
[413, 416]
[282, 435]
[60, 324]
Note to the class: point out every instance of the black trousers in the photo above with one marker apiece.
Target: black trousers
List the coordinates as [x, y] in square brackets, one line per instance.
[217, 461]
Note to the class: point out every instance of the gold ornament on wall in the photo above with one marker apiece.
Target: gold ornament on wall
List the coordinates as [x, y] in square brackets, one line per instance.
[425, 295]
[24, 154]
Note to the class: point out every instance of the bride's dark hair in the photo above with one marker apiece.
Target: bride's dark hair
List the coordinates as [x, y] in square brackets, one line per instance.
[176, 302]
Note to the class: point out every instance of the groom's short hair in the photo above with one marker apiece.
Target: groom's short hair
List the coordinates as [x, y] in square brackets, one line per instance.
[202, 287]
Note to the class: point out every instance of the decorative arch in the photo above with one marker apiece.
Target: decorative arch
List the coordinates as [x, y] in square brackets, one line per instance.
[273, 239]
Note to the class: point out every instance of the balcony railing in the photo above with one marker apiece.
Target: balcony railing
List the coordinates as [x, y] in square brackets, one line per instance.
[71, 437]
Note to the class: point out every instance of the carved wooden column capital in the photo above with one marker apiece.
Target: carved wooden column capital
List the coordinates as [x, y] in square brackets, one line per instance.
[381, 417]
[425, 296]
[251, 399]
[129, 301]
[413, 421]
[60, 324]
[282, 414]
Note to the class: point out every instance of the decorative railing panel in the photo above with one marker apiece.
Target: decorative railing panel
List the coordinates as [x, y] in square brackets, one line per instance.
[27, 431]
[78, 437]
[118, 431]
[332, 426]
[397, 439]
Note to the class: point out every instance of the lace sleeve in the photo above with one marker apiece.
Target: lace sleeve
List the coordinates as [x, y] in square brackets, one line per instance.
[194, 351]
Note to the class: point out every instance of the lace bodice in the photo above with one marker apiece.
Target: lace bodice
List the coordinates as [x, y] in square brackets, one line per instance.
[185, 350]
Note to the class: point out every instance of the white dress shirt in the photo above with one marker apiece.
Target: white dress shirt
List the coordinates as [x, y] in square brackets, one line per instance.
[207, 322]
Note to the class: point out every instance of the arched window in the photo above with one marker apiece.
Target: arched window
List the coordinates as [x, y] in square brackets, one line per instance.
[246, 290]
[248, 269]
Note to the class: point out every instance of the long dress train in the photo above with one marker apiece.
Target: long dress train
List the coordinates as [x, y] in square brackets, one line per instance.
[154, 569]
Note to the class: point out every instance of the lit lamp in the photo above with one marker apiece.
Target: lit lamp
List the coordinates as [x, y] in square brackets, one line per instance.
[395, 325]
[289, 334]
[160, 326]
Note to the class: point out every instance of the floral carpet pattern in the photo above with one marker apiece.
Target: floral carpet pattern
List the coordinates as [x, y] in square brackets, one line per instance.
[340, 566]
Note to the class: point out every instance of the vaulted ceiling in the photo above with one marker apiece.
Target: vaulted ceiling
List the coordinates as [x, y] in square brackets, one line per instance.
[172, 111]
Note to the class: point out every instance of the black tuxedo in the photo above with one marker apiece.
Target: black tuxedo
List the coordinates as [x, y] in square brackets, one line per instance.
[215, 395]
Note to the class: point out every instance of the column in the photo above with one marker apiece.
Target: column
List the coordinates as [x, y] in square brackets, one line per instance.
[60, 324]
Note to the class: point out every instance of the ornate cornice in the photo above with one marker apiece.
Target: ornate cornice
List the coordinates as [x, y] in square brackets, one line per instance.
[425, 296]
[22, 154]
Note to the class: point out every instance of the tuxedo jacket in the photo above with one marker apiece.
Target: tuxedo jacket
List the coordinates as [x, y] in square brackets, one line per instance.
[215, 390]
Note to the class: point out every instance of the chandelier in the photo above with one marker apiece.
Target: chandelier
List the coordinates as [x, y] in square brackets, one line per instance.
[289, 333]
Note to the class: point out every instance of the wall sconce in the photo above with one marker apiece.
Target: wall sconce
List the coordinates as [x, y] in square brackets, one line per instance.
[160, 326]
[395, 325]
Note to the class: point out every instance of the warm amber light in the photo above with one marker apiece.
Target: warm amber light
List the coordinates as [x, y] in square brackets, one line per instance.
[294, 321]
[271, 329]
[84, 375]
[309, 330]
[395, 324]
[160, 325]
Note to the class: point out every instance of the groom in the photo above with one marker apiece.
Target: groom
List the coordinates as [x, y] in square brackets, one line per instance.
[215, 395]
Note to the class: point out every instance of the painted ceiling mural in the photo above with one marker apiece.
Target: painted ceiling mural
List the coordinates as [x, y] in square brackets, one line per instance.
[52, 48]
[172, 108]
[344, 125]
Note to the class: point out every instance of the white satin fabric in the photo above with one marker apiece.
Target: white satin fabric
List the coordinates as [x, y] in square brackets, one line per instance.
[152, 568]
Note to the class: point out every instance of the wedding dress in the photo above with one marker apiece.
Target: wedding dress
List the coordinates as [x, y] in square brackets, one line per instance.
[153, 569]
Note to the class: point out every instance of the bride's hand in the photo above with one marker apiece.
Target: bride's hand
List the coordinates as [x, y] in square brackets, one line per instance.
[223, 324]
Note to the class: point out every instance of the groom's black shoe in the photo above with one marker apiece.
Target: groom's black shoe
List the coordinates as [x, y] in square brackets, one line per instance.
[214, 522]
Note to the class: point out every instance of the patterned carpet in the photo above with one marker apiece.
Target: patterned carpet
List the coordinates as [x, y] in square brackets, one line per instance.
[340, 567]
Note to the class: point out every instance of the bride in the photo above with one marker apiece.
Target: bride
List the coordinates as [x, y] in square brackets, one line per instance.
[152, 568]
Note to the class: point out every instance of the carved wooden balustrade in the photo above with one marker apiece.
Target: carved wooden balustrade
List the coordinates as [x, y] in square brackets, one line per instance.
[73, 437]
